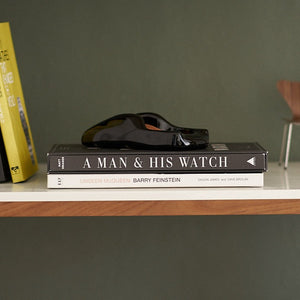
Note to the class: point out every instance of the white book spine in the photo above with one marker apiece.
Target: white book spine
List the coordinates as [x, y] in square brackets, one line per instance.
[155, 180]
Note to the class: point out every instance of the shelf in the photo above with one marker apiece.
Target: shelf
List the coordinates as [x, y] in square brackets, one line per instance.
[280, 195]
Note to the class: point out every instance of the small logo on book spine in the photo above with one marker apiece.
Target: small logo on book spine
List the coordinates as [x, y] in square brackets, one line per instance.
[252, 161]
[15, 170]
[61, 163]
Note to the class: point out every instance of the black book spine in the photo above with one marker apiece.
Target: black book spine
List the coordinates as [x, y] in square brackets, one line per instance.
[4, 167]
[155, 163]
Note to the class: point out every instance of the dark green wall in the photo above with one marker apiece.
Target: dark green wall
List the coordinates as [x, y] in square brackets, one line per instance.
[210, 64]
[150, 258]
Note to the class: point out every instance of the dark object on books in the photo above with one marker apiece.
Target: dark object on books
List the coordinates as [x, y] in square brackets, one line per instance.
[143, 131]
[4, 167]
[216, 158]
[290, 91]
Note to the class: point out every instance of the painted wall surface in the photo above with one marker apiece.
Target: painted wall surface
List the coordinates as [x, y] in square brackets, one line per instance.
[224, 257]
[211, 64]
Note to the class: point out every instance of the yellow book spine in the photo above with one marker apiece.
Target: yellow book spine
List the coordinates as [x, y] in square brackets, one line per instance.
[13, 116]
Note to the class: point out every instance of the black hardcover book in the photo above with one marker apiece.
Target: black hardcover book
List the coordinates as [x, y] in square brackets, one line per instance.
[4, 167]
[217, 157]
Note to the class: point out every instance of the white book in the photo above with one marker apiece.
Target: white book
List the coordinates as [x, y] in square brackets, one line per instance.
[131, 180]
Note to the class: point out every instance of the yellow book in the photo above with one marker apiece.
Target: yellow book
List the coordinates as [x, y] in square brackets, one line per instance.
[14, 123]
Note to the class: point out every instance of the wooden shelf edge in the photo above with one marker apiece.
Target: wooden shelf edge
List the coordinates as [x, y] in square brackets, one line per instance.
[148, 208]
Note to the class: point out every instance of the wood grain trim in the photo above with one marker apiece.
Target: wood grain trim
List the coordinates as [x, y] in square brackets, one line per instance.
[149, 208]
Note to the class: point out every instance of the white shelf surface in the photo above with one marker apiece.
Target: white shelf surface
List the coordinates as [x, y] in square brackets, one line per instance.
[279, 184]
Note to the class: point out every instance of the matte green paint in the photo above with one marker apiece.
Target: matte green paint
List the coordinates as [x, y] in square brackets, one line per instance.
[210, 64]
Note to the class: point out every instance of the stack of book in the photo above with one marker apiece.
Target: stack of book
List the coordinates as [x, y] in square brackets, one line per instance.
[218, 165]
[17, 153]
